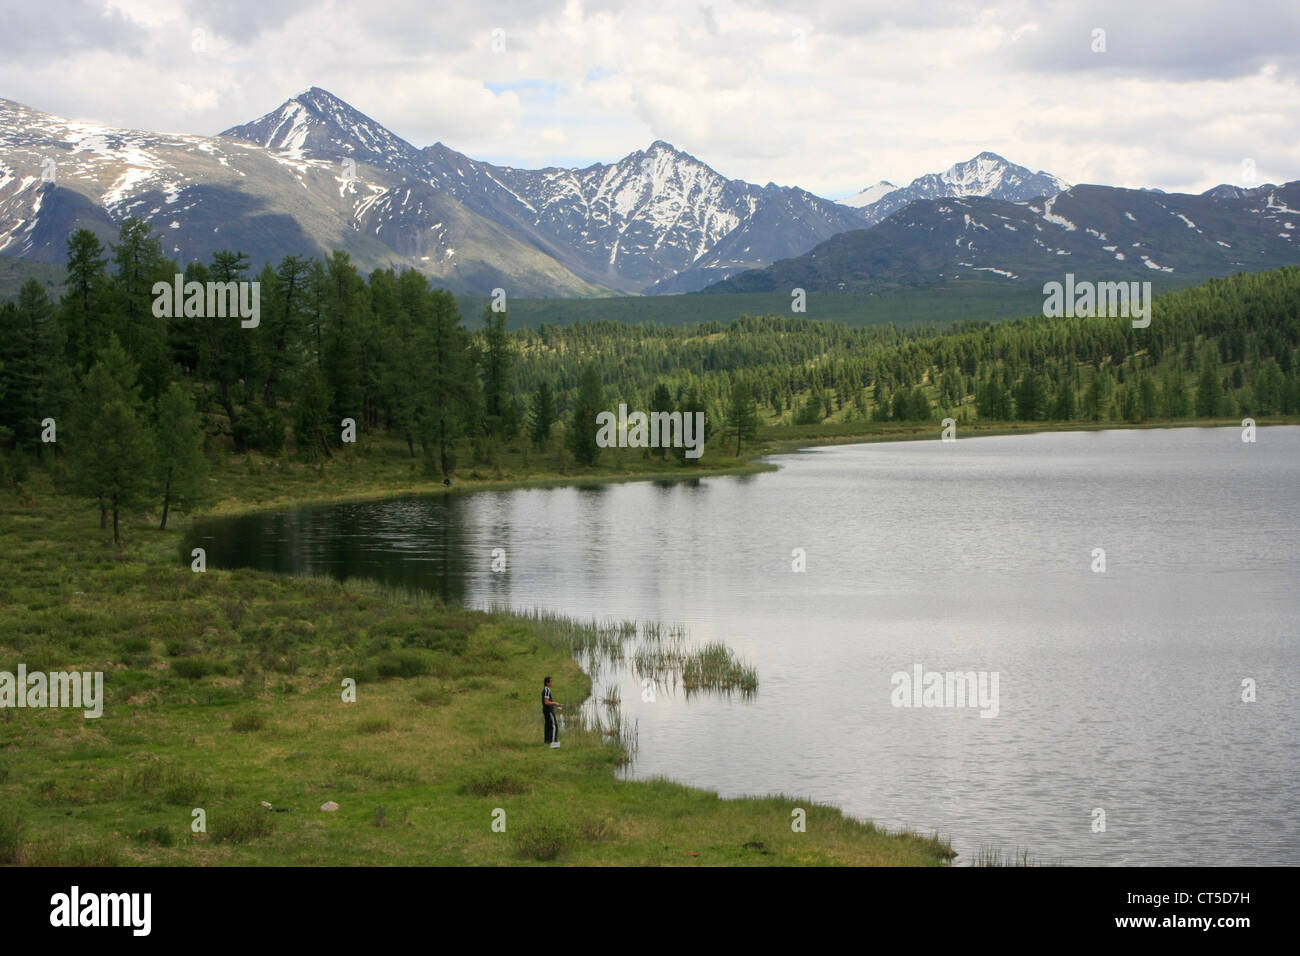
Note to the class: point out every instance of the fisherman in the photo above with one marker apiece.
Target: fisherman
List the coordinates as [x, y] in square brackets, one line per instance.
[549, 718]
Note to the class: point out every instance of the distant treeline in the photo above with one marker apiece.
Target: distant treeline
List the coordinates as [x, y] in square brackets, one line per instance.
[122, 403]
[1224, 348]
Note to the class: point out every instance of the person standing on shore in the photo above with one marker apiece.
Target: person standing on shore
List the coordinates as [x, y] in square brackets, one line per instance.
[550, 719]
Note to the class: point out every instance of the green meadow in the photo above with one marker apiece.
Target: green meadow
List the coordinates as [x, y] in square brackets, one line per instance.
[224, 692]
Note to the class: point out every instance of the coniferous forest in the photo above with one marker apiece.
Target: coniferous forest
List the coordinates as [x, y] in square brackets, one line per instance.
[126, 407]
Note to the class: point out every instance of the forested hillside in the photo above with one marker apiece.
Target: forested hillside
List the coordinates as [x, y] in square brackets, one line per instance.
[126, 406]
[1224, 348]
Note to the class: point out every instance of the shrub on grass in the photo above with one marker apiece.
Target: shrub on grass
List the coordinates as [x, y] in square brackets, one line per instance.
[148, 778]
[449, 632]
[248, 723]
[544, 838]
[405, 662]
[160, 836]
[594, 829]
[61, 853]
[242, 824]
[192, 668]
[12, 828]
[493, 782]
[182, 787]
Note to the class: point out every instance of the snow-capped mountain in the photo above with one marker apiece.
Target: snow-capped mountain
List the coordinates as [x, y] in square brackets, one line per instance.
[315, 175]
[1101, 233]
[869, 195]
[57, 175]
[319, 125]
[655, 215]
[987, 174]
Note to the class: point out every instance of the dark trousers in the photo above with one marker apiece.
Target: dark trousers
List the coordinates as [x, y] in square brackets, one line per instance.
[552, 725]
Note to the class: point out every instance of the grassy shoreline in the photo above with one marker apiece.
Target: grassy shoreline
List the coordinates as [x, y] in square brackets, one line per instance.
[382, 471]
[223, 691]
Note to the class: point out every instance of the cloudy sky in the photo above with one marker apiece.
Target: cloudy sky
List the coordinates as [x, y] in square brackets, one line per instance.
[1178, 95]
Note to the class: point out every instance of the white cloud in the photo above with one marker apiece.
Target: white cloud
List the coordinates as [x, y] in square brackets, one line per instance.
[831, 98]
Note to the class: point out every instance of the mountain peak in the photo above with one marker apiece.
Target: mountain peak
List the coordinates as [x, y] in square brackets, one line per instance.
[988, 174]
[984, 174]
[869, 194]
[317, 124]
[663, 147]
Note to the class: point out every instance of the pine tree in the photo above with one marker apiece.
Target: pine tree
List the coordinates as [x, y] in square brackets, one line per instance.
[693, 403]
[1064, 406]
[405, 357]
[285, 321]
[179, 463]
[111, 449]
[542, 415]
[85, 299]
[589, 402]
[1148, 403]
[311, 418]
[662, 401]
[742, 413]
[34, 377]
[450, 392]
[1031, 398]
[140, 264]
[344, 297]
[1207, 386]
[500, 414]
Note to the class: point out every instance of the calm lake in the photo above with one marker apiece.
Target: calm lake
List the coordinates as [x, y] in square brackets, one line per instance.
[1117, 691]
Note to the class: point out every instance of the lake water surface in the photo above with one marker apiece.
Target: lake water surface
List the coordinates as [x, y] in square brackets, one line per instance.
[1118, 691]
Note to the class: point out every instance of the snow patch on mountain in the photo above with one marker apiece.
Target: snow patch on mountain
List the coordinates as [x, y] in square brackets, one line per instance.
[869, 195]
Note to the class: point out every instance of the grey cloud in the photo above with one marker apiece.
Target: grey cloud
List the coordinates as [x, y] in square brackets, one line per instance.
[1203, 40]
[243, 20]
[61, 28]
[405, 27]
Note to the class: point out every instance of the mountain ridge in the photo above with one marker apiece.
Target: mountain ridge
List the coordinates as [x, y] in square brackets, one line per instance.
[316, 174]
[1105, 232]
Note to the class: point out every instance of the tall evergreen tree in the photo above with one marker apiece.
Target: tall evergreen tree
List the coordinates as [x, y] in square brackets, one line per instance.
[85, 299]
[589, 402]
[692, 403]
[662, 401]
[742, 413]
[34, 378]
[178, 444]
[140, 263]
[542, 415]
[1207, 385]
[311, 418]
[1031, 397]
[344, 305]
[110, 449]
[501, 416]
[451, 400]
